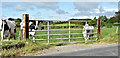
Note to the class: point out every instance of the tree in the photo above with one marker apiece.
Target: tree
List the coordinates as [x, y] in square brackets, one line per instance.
[94, 19]
[11, 19]
[114, 19]
[103, 19]
[18, 20]
[94, 23]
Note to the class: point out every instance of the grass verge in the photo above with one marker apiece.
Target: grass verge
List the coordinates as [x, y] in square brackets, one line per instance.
[30, 48]
[108, 36]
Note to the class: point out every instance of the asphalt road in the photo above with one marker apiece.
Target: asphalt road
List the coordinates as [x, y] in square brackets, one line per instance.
[102, 51]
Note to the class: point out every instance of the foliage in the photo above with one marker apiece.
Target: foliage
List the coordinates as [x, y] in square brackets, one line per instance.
[11, 19]
[109, 22]
[17, 21]
[103, 20]
[94, 23]
[114, 19]
[30, 47]
[18, 24]
[81, 19]
[109, 25]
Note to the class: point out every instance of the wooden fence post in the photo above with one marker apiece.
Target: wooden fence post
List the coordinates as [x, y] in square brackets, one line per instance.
[25, 26]
[98, 25]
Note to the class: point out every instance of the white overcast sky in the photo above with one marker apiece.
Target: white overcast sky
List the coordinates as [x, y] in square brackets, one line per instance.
[58, 9]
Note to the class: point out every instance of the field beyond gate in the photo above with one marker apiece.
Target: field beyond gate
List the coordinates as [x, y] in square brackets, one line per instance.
[63, 33]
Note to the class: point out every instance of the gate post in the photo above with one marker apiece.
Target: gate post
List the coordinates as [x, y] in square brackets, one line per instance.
[98, 25]
[48, 31]
[25, 26]
[69, 31]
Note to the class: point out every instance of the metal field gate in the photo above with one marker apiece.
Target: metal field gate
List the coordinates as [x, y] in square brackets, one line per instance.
[70, 28]
[69, 34]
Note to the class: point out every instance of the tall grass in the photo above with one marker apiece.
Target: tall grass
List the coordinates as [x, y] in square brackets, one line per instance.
[106, 31]
[108, 35]
[30, 47]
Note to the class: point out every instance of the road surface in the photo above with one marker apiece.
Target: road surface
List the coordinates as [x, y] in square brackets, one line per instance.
[104, 51]
[110, 50]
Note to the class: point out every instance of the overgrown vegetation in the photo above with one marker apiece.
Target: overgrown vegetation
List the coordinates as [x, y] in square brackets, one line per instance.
[108, 35]
[106, 31]
[110, 38]
[30, 47]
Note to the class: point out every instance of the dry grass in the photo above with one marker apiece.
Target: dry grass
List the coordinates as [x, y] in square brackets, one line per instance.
[111, 38]
[30, 48]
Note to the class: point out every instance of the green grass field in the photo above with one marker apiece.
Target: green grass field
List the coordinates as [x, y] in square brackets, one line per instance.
[65, 24]
[60, 36]
[104, 32]
[108, 35]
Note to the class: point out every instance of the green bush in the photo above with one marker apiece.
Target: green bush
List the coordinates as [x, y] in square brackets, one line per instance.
[109, 25]
[18, 24]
